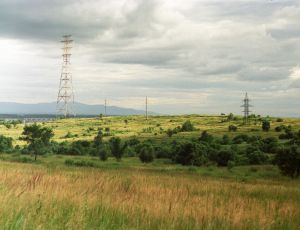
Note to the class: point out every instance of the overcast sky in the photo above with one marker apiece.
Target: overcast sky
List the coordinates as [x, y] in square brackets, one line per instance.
[187, 56]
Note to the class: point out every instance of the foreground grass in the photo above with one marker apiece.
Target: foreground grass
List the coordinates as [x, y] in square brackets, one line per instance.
[49, 195]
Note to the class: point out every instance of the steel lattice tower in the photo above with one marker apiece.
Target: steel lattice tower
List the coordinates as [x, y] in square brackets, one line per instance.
[246, 107]
[65, 98]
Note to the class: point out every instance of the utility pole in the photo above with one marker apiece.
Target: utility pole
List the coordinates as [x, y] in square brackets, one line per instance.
[105, 105]
[146, 108]
[65, 97]
[246, 107]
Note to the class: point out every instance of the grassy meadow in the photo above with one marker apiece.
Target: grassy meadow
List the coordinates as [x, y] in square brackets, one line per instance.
[155, 127]
[128, 194]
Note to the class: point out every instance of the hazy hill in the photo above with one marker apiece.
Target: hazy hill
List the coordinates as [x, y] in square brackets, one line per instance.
[50, 108]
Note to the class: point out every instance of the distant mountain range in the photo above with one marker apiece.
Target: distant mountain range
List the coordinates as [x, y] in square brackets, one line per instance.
[50, 109]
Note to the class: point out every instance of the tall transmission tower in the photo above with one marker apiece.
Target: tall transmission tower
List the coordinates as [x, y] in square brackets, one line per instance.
[246, 107]
[65, 97]
[146, 108]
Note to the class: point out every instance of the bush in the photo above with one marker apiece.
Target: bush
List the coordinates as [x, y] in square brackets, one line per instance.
[230, 117]
[146, 153]
[239, 139]
[225, 140]
[104, 152]
[170, 132]
[205, 137]
[257, 157]
[224, 156]
[279, 120]
[288, 161]
[190, 153]
[269, 145]
[130, 152]
[187, 127]
[266, 126]
[164, 150]
[5, 144]
[116, 147]
[232, 128]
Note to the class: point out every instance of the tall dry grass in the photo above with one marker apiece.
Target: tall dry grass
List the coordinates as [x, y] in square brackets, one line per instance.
[33, 197]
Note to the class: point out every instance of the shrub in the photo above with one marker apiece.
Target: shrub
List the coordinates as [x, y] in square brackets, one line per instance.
[279, 120]
[257, 157]
[170, 132]
[239, 139]
[133, 141]
[116, 147]
[187, 127]
[288, 161]
[230, 117]
[224, 156]
[269, 145]
[232, 128]
[5, 144]
[205, 137]
[130, 152]
[225, 140]
[266, 125]
[163, 150]
[104, 152]
[190, 153]
[146, 153]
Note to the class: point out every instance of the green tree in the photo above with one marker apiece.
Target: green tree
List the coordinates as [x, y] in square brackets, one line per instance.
[288, 161]
[38, 138]
[146, 153]
[117, 148]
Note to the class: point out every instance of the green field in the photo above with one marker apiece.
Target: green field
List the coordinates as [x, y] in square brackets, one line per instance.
[155, 127]
[128, 194]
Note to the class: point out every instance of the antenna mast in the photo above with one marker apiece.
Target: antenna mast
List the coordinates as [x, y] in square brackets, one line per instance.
[65, 97]
[246, 107]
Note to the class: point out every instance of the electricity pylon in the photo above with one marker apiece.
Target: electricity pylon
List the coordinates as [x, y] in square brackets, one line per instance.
[65, 97]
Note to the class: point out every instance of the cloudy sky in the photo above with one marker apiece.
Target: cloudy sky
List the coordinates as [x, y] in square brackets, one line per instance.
[191, 56]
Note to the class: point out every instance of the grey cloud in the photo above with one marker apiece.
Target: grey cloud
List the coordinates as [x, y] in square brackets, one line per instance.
[132, 47]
